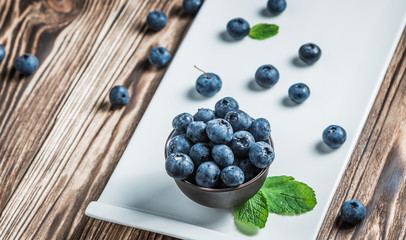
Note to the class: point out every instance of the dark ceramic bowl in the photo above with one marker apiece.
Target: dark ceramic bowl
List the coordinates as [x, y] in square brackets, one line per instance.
[224, 197]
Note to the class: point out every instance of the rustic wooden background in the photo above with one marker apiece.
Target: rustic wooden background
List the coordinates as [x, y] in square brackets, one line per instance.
[60, 139]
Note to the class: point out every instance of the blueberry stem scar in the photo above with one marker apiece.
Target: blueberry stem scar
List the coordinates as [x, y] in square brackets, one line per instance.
[207, 75]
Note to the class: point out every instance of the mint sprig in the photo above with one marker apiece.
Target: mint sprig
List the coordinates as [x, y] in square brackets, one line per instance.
[263, 31]
[281, 195]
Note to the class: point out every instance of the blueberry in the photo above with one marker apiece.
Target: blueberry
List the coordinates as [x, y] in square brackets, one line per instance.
[241, 142]
[208, 84]
[191, 6]
[222, 155]
[119, 96]
[238, 28]
[219, 131]
[207, 174]
[353, 211]
[26, 64]
[200, 153]
[261, 154]
[181, 122]
[309, 53]
[196, 131]
[334, 136]
[299, 92]
[250, 171]
[204, 115]
[276, 6]
[260, 129]
[179, 166]
[179, 144]
[159, 56]
[2, 52]
[157, 20]
[266, 76]
[224, 105]
[239, 120]
[232, 176]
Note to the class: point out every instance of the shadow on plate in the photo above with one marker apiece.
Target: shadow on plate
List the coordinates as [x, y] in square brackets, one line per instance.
[322, 148]
[252, 85]
[299, 63]
[289, 103]
[226, 38]
[192, 94]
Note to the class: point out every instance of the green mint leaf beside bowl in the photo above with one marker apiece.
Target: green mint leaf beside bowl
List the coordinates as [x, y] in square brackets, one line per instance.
[263, 31]
[253, 212]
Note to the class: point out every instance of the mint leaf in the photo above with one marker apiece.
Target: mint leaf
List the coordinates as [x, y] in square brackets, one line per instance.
[286, 196]
[263, 31]
[253, 212]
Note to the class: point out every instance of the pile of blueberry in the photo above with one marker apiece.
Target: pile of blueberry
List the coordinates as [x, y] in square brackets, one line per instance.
[223, 148]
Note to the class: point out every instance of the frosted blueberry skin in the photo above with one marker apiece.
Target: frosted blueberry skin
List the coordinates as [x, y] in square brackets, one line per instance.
[241, 142]
[208, 84]
[267, 76]
[309, 53]
[179, 144]
[181, 122]
[26, 64]
[156, 20]
[179, 166]
[299, 92]
[334, 136]
[159, 56]
[261, 154]
[2, 52]
[200, 153]
[191, 6]
[260, 129]
[239, 120]
[204, 115]
[119, 96]
[238, 28]
[353, 211]
[196, 132]
[232, 176]
[276, 6]
[207, 174]
[222, 155]
[250, 171]
[219, 131]
[225, 105]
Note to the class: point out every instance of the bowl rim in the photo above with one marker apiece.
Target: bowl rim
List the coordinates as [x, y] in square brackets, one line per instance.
[206, 189]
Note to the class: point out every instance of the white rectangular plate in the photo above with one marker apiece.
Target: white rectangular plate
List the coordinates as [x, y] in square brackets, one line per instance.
[357, 39]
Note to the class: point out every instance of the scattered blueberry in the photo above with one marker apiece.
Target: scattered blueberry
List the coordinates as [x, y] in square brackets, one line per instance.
[241, 142]
[179, 144]
[261, 154]
[2, 52]
[224, 105]
[204, 115]
[200, 153]
[219, 131]
[207, 174]
[222, 155]
[192, 6]
[299, 92]
[334, 136]
[232, 176]
[159, 56]
[196, 131]
[181, 122]
[157, 20]
[238, 28]
[266, 76]
[260, 129]
[353, 211]
[179, 166]
[119, 96]
[208, 84]
[239, 120]
[276, 6]
[250, 171]
[26, 64]
[309, 53]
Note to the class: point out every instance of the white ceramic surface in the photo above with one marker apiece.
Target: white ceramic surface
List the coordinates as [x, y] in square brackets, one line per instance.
[357, 39]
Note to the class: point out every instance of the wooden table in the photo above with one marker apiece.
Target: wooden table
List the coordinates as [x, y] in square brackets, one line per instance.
[60, 139]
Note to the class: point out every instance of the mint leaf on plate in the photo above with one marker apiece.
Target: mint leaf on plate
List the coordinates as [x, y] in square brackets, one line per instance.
[253, 212]
[263, 31]
[286, 196]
